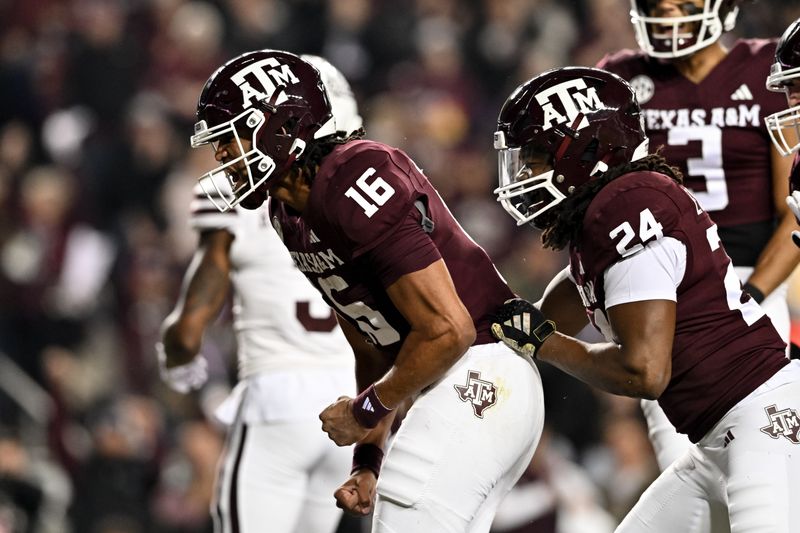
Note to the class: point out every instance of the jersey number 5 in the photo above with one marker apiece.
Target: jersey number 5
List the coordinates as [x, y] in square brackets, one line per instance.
[378, 191]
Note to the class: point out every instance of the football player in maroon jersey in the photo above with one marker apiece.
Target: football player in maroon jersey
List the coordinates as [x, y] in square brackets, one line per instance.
[648, 270]
[704, 107]
[784, 125]
[277, 468]
[412, 290]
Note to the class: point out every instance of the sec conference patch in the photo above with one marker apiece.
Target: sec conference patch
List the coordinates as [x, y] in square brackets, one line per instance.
[785, 422]
[480, 393]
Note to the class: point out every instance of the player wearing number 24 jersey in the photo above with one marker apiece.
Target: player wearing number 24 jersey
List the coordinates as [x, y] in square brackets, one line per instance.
[648, 270]
[412, 291]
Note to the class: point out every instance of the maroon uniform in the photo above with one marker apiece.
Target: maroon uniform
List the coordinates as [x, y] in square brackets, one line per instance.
[724, 346]
[363, 228]
[714, 132]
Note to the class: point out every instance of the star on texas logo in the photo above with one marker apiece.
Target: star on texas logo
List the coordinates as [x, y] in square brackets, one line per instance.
[480, 393]
[785, 422]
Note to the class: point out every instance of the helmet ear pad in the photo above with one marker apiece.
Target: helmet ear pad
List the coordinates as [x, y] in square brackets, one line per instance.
[280, 137]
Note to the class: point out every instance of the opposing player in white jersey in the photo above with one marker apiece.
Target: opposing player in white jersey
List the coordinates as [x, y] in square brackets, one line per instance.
[279, 470]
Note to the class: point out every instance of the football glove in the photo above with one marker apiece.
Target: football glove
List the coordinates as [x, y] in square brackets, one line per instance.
[793, 201]
[184, 378]
[521, 326]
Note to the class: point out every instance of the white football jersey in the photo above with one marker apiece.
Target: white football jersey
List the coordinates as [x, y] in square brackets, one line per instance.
[281, 322]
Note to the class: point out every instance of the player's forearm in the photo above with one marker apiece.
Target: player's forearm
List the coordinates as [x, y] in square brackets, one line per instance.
[380, 433]
[779, 258]
[422, 360]
[203, 294]
[603, 365]
[370, 367]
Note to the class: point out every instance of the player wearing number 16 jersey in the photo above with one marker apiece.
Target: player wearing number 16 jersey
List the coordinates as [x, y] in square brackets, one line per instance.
[412, 291]
[705, 106]
[647, 269]
[278, 470]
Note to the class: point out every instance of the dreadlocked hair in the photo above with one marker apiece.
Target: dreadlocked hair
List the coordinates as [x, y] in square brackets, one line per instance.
[567, 217]
[312, 159]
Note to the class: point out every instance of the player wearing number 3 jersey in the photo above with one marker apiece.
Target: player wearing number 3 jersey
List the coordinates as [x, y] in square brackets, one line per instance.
[705, 106]
[278, 470]
[412, 292]
[652, 276]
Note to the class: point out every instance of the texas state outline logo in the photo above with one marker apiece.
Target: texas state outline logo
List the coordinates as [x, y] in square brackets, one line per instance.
[785, 422]
[480, 393]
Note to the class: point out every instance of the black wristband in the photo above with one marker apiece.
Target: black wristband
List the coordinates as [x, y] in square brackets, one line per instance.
[754, 292]
[367, 456]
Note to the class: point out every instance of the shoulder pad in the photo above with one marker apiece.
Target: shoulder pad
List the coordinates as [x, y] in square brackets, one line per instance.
[630, 212]
[365, 193]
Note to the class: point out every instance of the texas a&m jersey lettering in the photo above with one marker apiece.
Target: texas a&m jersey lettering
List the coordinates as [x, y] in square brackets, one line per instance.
[713, 130]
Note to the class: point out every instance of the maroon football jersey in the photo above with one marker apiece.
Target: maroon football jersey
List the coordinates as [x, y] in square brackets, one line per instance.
[714, 132]
[362, 229]
[725, 346]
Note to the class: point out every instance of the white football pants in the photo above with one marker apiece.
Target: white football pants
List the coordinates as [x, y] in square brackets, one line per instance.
[748, 464]
[279, 477]
[668, 444]
[462, 446]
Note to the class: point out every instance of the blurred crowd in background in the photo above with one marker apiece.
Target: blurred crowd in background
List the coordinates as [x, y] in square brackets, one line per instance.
[97, 102]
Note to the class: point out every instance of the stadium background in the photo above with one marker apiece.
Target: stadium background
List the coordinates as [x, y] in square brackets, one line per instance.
[96, 107]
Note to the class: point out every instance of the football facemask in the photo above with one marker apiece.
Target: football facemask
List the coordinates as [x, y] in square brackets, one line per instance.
[672, 37]
[784, 130]
[246, 172]
[785, 77]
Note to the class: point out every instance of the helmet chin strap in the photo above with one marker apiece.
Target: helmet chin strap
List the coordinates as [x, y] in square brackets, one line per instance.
[569, 135]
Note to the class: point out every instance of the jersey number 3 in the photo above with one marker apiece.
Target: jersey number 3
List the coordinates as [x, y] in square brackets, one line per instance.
[709, 166]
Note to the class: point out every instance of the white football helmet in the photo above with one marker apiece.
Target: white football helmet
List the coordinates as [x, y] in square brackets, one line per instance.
[671, 37]
[343, 103]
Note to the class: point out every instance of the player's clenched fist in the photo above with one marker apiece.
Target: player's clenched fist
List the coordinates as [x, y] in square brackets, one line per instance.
[356, 496]
[339, 422]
